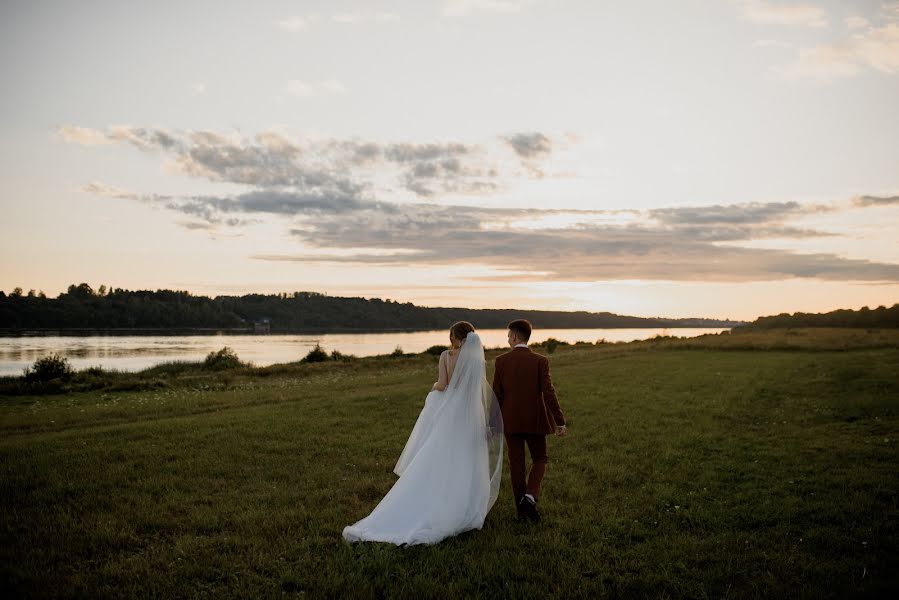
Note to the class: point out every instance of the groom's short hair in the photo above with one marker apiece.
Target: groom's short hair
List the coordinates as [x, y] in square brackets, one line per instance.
[522, 328]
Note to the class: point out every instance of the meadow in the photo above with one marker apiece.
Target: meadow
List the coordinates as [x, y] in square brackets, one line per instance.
[727, 466]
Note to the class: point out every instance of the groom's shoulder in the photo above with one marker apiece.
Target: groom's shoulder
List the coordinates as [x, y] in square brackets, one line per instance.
[537, 357]
[530, 355]
[502, 357]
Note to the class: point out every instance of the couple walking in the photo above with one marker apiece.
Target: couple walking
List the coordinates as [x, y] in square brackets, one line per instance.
[451, 467]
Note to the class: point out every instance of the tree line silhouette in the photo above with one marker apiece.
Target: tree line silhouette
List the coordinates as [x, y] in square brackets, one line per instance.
[880, 317]
[82, 307]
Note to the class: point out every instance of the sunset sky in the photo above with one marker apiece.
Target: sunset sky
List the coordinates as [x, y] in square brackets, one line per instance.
[718, 158]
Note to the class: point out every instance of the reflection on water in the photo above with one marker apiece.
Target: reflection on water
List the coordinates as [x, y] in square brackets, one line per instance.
[133, 353]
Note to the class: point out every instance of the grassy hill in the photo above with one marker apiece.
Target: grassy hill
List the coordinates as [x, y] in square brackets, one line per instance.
[724, 466]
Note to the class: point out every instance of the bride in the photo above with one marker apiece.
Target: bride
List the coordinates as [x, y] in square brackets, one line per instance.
[451, 467]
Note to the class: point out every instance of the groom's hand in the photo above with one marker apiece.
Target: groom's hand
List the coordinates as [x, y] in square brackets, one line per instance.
[561, 430]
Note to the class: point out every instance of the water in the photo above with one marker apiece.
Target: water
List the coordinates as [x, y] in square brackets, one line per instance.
[133, 353]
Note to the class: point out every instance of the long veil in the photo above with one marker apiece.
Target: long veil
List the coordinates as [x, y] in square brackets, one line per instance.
[469, 402]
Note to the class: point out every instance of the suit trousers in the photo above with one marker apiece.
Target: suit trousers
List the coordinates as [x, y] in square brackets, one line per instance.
[536, 443]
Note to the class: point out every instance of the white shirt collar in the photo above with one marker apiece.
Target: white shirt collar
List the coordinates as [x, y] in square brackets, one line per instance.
[521, 345]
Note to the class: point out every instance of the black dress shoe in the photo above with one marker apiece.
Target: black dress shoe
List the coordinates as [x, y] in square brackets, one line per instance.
[519, 512]
[528, 508]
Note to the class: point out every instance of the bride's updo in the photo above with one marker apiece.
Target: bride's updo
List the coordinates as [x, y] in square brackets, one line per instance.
[461, 330]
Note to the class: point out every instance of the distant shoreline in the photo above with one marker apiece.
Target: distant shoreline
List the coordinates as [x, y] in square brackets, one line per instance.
[182, 331]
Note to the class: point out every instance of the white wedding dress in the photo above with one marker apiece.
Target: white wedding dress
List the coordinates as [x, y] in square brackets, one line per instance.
[451, 467]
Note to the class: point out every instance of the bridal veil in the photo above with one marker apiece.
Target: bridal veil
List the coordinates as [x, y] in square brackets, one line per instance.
[451, 467]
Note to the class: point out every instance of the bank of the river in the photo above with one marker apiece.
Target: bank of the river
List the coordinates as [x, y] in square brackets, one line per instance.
[133, 353]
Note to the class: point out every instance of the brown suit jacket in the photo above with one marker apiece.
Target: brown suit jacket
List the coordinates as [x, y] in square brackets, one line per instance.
[525, 392]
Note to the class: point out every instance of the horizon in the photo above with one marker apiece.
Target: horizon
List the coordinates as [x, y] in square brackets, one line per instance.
[288, 294]
[731, 158]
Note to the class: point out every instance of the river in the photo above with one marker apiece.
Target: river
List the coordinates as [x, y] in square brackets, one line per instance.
[133, 353]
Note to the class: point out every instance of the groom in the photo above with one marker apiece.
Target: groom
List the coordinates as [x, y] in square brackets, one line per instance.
[530, 410]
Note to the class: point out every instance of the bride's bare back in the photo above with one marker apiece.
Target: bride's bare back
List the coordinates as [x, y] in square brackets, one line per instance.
[445, 368]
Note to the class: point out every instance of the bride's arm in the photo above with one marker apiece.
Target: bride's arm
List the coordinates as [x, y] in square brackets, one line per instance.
[442, 379]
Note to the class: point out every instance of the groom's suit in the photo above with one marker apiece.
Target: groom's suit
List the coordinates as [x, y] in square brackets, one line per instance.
[525, 392]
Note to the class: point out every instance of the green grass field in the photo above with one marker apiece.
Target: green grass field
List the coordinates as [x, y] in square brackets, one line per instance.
[765, 466]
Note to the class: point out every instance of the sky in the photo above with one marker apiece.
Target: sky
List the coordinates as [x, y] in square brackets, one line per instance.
[692, 158]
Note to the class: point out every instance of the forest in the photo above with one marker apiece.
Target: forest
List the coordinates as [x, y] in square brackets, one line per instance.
[880, 317]
[83, 308]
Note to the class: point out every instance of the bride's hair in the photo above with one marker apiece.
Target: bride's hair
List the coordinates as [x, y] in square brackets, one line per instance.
[461, 330]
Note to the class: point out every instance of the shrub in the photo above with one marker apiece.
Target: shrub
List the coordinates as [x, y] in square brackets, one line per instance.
[171, 368]
[49, 368]
[436, 350]
[398, 351]
[221, 360]
[337, 355]
[317, 354]
[552, 343]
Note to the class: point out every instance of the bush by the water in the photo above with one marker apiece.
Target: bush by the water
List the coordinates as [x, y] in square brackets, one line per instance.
[436, 350]
[338, 355]
[317, 354]
[49, 368]
[552, 343]
[221, 360]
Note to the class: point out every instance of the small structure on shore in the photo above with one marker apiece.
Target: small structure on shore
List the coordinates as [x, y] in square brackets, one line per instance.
[262, 326]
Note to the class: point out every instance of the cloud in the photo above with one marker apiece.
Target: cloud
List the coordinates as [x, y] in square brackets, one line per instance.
[288, 203]
[432, 169]
[294, 24]
[321, 208]
[84, 136]
[822, 63]
[265, 164]
[324, 191]
[101, 189]
[677, 249]
[678, 246]
[332, 86]
[866, 47]
[110, 191]
[531, 148]
[269, 160]
[865, 201]
[461, 8]
[581, 254]
[427, 170]
[211, 211]
[767, 13]
[144, 139]
[752, 212]
[771, 44]
[198, 88]
[529, 145]
[346, 18]
[305, 89]
[297, 23]
[218, 210]
[196, 225]
[856, 22]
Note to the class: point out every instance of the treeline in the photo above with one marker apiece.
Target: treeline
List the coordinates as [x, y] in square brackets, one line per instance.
[878, 318]
[82, 307]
